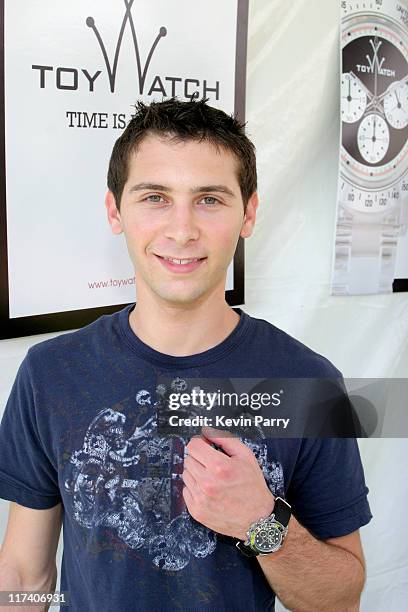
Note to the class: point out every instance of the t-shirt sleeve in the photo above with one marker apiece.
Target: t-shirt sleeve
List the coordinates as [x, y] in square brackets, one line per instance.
[327, 492]
[27, 475]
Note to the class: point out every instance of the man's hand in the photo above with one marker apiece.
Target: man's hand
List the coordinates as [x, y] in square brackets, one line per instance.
[225, 492]
[228, 492]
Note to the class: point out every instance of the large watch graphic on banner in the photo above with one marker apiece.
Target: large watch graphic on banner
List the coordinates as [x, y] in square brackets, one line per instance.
[375, 109]
[373, 177]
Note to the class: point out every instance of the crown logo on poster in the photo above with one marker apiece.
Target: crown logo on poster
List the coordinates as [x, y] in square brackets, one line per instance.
[112, 68]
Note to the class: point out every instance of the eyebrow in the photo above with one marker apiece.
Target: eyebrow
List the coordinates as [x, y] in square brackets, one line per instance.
[200, 189]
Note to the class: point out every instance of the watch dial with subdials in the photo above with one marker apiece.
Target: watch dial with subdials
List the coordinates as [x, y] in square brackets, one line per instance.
[377, 66]
[374, 103]
[268, 539]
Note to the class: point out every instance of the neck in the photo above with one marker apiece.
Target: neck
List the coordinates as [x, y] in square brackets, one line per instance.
[182, 330]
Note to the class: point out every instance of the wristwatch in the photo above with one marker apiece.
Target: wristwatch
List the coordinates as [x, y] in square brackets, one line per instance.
[372, 209]
[266, 535]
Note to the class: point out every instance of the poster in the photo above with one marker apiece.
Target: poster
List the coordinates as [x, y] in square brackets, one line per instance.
[371, 234]
[72, 72]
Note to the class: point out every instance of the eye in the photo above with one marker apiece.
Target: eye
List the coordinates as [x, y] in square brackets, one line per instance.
[155, 198]
[210, 200]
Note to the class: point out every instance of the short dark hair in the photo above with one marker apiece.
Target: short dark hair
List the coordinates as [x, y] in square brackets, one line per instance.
[192, 120]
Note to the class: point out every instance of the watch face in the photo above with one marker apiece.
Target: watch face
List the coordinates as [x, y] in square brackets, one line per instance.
[374, 102]
[268, 538]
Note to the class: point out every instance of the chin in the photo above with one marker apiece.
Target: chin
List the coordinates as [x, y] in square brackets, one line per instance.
[180, 299]
[173, 297]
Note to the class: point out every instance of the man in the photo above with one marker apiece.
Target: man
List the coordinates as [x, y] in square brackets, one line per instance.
[151, 522]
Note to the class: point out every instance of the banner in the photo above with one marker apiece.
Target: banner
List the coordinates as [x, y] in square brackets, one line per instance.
[72, 71]
[371, 240]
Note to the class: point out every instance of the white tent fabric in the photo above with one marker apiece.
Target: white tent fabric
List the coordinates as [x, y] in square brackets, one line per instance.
[293, 118]
[293, 110]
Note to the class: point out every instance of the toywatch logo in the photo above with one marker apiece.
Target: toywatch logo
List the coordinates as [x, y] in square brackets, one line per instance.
[72, 79]
[142, 72]
[374, 64]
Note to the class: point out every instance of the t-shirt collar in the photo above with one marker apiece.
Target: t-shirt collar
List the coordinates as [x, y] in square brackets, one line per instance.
[199, 359]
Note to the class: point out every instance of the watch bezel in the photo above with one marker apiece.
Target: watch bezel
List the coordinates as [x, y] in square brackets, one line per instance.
[272, 524]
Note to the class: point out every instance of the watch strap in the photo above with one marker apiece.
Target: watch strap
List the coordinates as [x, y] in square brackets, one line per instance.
[246, 550]
[282, 511]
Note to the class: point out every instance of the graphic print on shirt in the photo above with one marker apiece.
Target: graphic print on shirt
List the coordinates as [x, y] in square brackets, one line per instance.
[130, 482]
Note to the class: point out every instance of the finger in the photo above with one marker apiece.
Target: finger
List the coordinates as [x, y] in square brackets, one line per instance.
[203, 452]
[189, 482]
[205, 440]
[228, 441]
[188, 497]
[195, 468]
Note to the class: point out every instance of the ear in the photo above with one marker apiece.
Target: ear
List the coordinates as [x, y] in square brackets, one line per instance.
[250, 216]
[114, 218]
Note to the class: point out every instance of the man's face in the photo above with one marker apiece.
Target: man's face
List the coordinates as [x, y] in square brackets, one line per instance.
[182, 200]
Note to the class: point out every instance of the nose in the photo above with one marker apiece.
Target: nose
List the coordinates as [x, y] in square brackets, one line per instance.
[182, 225]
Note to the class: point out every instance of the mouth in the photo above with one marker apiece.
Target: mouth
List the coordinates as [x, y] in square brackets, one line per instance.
[181, 265]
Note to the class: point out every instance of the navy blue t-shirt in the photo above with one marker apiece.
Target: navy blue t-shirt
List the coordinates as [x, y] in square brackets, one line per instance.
[79, 429]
